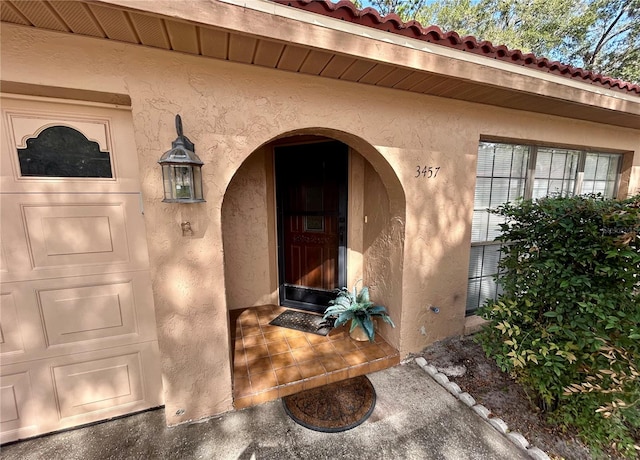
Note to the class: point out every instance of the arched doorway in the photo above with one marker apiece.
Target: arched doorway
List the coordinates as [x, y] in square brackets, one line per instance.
[375, 222]
[254, 220]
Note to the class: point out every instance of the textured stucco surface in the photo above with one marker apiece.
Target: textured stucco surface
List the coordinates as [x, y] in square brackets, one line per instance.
[383, 239]
[250, 279]
[355, 219]
[417, 257]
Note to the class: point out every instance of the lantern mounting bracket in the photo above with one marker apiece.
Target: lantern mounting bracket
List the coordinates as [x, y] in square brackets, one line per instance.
[182, 140]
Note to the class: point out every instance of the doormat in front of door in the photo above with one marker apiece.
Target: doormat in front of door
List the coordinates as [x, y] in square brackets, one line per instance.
[336, 407]
[301, 321]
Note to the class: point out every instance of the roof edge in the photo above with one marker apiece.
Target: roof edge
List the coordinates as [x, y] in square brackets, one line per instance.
[369, 17]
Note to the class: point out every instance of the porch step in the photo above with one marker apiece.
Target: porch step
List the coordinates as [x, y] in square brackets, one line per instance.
[271, 362]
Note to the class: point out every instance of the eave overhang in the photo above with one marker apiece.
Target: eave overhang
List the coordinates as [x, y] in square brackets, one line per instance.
[267, 34]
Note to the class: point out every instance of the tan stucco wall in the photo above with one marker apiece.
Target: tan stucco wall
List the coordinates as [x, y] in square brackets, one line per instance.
[383, 240]
[229, 111]
[355, 219]
[251, 277]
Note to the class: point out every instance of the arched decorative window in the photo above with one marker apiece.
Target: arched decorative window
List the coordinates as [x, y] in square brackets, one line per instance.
[61, 151]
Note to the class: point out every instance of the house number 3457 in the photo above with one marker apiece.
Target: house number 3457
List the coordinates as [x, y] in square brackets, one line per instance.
[428, 172]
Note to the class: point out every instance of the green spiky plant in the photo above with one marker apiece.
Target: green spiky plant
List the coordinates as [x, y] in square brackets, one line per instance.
[357, 307]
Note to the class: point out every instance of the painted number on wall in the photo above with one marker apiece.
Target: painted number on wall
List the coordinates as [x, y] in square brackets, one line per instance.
[428, 172]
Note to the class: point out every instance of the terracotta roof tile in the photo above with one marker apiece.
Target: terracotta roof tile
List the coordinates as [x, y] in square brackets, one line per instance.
[347, 11]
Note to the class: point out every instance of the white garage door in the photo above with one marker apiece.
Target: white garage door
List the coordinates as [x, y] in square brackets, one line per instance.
[77, 326]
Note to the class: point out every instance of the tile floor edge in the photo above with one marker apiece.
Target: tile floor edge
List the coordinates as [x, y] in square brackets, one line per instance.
[516, 438]
[327, 374]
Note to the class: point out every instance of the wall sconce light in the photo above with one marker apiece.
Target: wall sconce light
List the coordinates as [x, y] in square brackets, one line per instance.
[181, 170]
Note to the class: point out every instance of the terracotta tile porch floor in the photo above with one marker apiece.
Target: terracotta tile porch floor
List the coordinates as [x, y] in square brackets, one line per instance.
[271, 361]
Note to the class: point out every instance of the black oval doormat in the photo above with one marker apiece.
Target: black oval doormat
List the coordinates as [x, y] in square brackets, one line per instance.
[339, 406]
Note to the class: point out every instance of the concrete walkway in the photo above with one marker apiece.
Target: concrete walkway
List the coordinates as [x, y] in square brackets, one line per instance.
[414, 418]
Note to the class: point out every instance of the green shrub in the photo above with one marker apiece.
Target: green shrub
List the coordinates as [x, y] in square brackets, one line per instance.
[568, 322]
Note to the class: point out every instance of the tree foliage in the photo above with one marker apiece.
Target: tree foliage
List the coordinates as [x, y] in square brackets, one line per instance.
[598, 35]
[568, 322]
[406, 9]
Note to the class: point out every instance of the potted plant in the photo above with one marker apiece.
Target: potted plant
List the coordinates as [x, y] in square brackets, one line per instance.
[356, 307]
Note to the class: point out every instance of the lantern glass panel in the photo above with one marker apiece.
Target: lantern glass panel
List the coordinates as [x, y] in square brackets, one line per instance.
[183, 182]
[167, 182]
[197, 182]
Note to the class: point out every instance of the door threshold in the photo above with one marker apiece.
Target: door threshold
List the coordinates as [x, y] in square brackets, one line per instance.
[310, 307]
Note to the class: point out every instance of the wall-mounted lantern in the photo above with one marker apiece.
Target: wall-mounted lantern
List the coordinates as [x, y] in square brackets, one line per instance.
[181, 170]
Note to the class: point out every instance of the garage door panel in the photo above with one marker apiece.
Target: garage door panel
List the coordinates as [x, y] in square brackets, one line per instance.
[98, 384]
[70, 235]
[77, 314]
[10, 333]
[3, 258]
[27, 125]
[74, 235]
[66, 391]
[14, 242]
[105, 383]
[16, 412]
[8, 404]
[111, 131]
[20, 323]
[87, 313]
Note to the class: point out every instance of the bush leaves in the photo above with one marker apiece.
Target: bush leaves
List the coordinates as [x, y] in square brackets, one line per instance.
[568, 322]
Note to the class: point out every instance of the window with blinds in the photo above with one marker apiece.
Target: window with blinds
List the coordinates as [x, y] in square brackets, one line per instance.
[507, 172]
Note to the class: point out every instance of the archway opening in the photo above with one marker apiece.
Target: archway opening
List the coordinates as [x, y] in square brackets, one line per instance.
[374, 244]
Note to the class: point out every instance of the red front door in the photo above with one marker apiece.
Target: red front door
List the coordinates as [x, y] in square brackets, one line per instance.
[311, 196]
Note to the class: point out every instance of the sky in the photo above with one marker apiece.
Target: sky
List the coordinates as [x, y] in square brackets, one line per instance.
[366, 3]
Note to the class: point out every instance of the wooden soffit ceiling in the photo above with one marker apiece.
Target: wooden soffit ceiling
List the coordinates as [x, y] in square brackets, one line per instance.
[249, 42]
